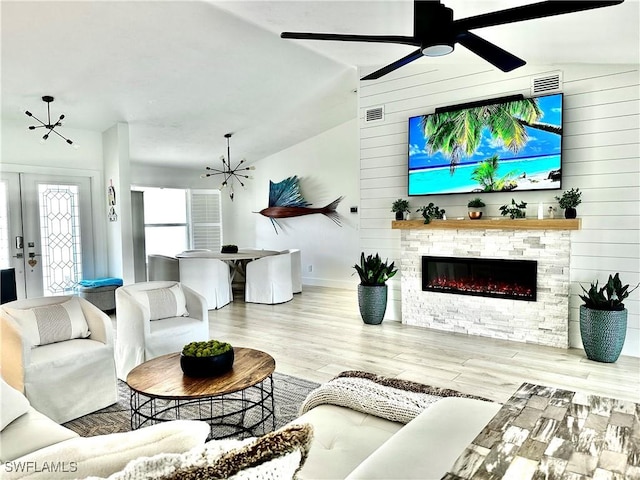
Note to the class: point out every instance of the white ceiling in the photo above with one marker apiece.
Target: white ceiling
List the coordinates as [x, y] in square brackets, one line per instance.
[184, 73]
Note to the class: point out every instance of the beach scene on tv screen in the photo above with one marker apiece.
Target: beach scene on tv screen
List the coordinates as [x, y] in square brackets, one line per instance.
[501, 147]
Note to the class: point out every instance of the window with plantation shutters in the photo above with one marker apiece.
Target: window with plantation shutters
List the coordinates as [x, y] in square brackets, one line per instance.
[206, 219]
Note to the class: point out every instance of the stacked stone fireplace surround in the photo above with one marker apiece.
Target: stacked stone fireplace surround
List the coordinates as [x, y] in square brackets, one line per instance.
[544, 322]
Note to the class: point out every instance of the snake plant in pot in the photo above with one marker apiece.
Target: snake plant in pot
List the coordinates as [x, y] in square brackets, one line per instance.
[372, 290]
[603, 319]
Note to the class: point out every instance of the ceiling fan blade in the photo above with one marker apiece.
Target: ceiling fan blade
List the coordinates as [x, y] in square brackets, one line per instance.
[493, 54]
[351, 38]
[529, 12]
[394, 66]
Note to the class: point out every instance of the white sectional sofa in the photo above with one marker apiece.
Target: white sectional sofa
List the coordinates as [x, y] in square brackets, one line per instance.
[420, 438]
[374, 428]
[355, 445]
[32, 446]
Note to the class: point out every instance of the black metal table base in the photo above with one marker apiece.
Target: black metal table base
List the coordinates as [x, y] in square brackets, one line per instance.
[239, 414]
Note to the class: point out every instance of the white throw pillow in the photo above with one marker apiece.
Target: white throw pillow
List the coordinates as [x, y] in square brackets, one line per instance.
[13, 404]
[105, 454]
[163, 302]
[276, 455]
[53, 323]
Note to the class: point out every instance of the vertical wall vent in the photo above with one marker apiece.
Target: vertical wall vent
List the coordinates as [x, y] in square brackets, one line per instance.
[546, 83]
[374, 114]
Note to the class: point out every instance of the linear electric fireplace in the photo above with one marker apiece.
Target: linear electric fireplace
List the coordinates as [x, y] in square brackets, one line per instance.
[513, 279]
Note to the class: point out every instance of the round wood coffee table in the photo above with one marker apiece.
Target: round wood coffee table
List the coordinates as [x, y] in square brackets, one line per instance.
[235, 403]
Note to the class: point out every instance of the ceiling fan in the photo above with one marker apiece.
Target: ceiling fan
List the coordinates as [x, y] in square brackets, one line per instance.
[435, 32]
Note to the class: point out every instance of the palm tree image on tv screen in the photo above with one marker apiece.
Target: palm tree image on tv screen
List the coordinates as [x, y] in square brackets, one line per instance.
[504, 146]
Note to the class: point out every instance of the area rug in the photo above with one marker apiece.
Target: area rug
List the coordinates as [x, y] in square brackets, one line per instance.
[289, 393]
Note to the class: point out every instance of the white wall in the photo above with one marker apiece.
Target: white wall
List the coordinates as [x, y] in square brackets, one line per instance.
[601, 156]
[117, 170]
[327, 166]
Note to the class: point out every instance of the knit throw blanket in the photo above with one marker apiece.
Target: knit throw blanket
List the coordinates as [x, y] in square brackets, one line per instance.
[389, 398]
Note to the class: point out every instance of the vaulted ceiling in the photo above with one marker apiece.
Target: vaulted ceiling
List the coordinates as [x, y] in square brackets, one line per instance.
[184, 73]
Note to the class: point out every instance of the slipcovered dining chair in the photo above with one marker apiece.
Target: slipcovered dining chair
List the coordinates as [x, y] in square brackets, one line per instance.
[296, 269]
[59, 352]
[162, 267]
[210, 277]
[269, 279]
[156, 318]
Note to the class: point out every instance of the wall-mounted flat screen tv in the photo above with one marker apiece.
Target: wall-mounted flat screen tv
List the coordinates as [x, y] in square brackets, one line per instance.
[487, 147]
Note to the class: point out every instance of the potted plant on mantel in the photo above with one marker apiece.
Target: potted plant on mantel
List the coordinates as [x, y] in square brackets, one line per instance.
[603, 319]
[372, 290]
[515, 210]
[400, 206]
[476, 208]
[569, 200]
[431, 212]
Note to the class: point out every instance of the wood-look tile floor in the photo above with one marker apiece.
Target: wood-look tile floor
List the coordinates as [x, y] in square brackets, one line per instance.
[320, 334]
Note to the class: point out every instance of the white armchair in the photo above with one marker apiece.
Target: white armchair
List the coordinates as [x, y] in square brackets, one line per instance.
[155, 318]
[162, 267]
[269, 279]
[209, 277]
[296, 269]
[59, 352]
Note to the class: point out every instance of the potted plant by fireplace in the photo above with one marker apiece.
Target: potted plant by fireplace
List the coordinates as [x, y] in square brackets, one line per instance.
[603, 319]
[476, 208]
[372, 290]
[400, 206]
[569, 200]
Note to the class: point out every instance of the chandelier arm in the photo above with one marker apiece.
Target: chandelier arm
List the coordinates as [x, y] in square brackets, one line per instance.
[46, 135]
[217, 172]
[61, 136]
[33, 116]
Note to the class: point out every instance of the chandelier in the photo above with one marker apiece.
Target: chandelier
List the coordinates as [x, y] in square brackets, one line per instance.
[229, 174]
[49, 126]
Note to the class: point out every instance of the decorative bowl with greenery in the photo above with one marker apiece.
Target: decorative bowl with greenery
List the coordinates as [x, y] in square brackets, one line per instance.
[206, 358]
[373, 271]
[569, 200]
[603, 319]
[476, 208]
[514, 210]
[431, 212]
[229, 249]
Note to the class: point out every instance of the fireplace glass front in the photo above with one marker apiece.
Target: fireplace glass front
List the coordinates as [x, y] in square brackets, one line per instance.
[499, 278]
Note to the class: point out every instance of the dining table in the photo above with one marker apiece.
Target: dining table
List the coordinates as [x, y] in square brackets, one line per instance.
[236, 261]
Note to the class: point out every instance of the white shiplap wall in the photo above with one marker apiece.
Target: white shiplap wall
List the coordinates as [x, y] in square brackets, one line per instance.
[601, 156]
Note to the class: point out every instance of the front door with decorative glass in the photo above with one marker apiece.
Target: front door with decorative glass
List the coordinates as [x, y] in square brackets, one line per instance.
[46, 232]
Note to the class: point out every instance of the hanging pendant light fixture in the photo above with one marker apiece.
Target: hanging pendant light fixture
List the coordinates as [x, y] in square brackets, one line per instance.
[49, 126]
[229, 174]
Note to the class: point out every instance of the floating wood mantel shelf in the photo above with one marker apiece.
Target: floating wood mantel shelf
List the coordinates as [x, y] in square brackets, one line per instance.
[491, 223]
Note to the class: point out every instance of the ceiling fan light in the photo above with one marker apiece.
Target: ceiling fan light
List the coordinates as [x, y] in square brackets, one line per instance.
[437, 50]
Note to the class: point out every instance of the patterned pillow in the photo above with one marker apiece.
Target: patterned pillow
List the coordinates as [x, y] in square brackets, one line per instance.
[164, 302]
[53, 323]
[276, 455]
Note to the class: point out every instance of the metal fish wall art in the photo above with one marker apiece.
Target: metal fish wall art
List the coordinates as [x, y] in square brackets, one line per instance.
[285, 201]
